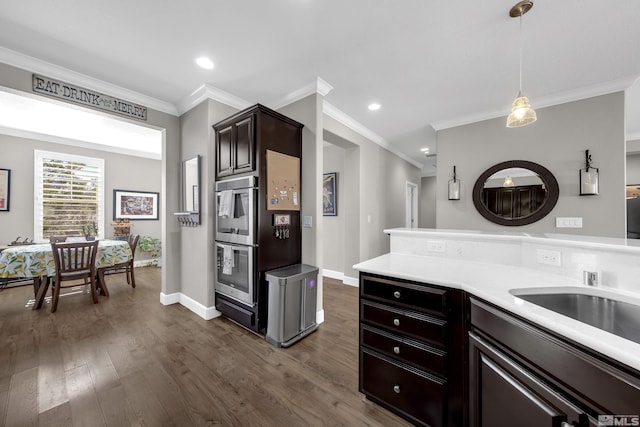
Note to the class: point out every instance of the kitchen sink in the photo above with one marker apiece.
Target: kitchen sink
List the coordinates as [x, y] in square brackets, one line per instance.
[590, 306]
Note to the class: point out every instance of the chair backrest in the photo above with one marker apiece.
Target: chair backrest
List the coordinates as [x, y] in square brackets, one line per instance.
[73, 258]
[57, 239]
[133, 243]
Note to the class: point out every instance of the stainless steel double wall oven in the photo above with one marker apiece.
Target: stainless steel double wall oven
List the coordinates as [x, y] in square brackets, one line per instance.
[236, 239]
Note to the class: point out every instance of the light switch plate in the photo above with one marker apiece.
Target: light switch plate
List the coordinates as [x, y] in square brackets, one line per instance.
[569, 222]
[307, 221]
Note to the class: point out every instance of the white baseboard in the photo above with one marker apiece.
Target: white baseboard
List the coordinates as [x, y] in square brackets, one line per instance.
[351, 281]
[146, 262]
[332, 274]
[207, 313]
[319, 316]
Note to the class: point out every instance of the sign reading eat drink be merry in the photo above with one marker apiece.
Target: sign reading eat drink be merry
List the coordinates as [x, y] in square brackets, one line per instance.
[80, 95]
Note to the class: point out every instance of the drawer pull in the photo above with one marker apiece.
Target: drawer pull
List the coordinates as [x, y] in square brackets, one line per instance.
[396, 294]
[396, 388]
[396, 350]
[396, 322]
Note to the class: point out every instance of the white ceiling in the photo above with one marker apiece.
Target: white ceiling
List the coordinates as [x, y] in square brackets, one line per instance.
[430, 64]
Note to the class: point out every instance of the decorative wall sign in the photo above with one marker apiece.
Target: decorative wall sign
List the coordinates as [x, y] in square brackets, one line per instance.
[87, 97]
[5, 187]
[330, 194]
[135, 204]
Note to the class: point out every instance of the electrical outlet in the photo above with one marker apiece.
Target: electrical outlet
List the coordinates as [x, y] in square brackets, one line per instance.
[436, 245]
[549, 257]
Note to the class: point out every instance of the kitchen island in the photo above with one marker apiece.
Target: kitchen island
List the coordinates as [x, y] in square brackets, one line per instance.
[505, 333]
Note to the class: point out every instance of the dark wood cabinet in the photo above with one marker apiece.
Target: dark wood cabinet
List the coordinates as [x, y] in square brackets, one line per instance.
[505, 394]
[235, 148]
[514, 202]
[413, 349]
[441, 357]
[523, 375]
[242, 143]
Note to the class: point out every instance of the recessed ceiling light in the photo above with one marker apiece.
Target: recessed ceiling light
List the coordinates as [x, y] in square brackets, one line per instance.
[205, 63]
[374, 106]
[425, 149]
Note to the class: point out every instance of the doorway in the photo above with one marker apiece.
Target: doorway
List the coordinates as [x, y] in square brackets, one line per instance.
[411, 205]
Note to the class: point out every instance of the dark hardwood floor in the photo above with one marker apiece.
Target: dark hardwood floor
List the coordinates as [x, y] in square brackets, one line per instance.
[130, 361]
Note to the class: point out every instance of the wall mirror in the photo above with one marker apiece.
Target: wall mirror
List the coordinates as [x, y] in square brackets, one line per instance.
[516, 192]
[191, 185]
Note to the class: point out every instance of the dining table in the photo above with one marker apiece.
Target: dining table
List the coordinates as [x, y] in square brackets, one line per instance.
[36, 262]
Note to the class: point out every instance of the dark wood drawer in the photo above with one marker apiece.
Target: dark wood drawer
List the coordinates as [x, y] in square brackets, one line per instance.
[414, 296]
[404, 322]
[405, 350]
[235, 312]
[416, 394]
[596, 383]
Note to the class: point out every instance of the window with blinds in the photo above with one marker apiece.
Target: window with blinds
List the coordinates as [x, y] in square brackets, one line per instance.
[69, 192]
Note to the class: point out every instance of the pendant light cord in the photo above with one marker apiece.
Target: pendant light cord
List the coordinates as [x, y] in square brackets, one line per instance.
[520, 87]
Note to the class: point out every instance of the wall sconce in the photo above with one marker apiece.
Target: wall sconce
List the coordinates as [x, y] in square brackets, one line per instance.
[508, 182]
[588, 178]
[454, 186]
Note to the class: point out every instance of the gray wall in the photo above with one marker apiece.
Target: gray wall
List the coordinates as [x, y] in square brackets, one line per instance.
[334, 226]
[427, 214]
[19, 79]
[380, 193]
[557, 141]
[197, 262]
[120, 172]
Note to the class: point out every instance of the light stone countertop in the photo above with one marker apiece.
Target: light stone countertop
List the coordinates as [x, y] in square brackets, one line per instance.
[492, 282]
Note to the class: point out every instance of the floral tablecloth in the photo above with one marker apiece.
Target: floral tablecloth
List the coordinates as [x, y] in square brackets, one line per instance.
[37, 260]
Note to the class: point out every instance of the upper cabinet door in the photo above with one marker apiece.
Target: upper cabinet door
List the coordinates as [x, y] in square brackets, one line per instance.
[224, 151]
[244, 146]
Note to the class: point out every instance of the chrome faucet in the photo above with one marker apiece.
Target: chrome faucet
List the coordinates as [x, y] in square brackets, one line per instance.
[590, 278]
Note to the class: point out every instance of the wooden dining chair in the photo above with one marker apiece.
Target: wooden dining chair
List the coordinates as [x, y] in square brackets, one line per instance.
[126, 267]
[74, 261]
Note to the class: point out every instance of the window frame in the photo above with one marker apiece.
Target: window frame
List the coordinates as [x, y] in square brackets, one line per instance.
[38, 193]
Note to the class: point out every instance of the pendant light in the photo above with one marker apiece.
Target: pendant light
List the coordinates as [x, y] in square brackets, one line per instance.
[521, 112]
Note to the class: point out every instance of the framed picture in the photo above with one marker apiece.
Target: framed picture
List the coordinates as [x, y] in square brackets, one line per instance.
[135, 204]
[330, 194]
[633, 191]
[5, 187]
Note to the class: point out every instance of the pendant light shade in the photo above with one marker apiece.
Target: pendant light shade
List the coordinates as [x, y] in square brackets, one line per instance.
[522, 113]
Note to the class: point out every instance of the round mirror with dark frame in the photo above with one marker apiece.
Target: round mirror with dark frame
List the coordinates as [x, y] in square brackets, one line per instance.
[515, 192]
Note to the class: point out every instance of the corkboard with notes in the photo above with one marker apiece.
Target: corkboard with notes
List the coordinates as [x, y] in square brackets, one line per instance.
[283, 182]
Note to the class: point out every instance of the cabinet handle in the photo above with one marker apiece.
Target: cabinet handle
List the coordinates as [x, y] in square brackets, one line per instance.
[396, 294]
[396, 388]
[396, 350]
[396, 322]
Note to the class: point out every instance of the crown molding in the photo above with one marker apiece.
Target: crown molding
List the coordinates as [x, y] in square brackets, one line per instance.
[48, 69]
[319, 86]
[349, 122]
[546, 101]
[206, 91]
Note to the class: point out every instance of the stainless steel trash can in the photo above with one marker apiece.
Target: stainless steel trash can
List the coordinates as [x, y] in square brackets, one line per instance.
[292, 304]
